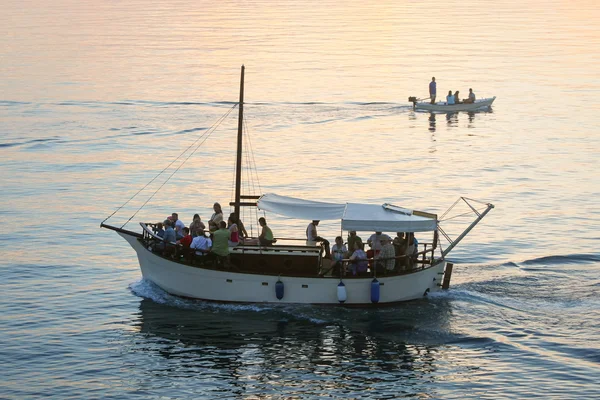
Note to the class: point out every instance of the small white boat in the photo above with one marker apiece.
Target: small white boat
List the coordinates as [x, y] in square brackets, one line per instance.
[297, 272]
[443, 107]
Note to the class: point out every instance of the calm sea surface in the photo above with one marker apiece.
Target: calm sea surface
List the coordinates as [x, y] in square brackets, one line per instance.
[97, 97]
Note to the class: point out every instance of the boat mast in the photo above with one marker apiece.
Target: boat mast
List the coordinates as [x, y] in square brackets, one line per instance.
[238, 165]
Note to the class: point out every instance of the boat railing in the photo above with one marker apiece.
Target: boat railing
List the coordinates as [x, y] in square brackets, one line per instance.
[412, 262]
[404, 263]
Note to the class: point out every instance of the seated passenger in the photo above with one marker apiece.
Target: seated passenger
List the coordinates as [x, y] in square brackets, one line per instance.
[240, 226]
[158, 230]
[358, 259]
[450, 98]
[197, 225]
[233, 231]
[338, 252]
[312, 237]
[456, 98]
[169, 238]
[185, 243]
[216, 218]
[471, 98]
[201, 244]
[266, 235]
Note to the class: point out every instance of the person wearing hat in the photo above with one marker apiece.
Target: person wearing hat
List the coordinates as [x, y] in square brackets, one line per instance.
[312, 238]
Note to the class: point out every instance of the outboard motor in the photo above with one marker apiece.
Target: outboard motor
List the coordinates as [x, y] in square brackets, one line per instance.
[413, 100]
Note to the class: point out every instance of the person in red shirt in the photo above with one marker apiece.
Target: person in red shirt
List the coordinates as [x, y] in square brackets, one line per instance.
[185, 243]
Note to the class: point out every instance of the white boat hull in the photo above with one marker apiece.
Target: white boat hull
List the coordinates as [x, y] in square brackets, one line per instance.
[225, 286]
[442, 107]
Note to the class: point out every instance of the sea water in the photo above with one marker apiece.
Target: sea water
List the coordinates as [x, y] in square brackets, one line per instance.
[97, 98]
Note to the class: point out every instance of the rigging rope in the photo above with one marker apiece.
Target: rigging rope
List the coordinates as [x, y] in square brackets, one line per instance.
[207, 133]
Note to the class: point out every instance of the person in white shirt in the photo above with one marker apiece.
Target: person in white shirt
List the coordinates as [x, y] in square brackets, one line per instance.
[201, 244]
[375, 241]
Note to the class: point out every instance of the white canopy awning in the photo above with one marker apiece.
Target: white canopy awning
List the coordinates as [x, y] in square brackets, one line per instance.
[376, 218]
[300, 208]
[354, 216]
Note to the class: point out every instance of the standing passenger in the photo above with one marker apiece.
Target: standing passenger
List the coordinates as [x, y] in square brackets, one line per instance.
[387, 255]
[351, 239]
[178, 225]
[216, 218]
[432, 90]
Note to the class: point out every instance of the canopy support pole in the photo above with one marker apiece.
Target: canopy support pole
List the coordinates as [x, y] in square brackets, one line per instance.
[469, 228]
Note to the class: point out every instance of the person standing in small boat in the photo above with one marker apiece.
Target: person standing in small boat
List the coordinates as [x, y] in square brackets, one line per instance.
[471, 98]
[432, 89]
[456, 98]
[450, 98]
[216, 218]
